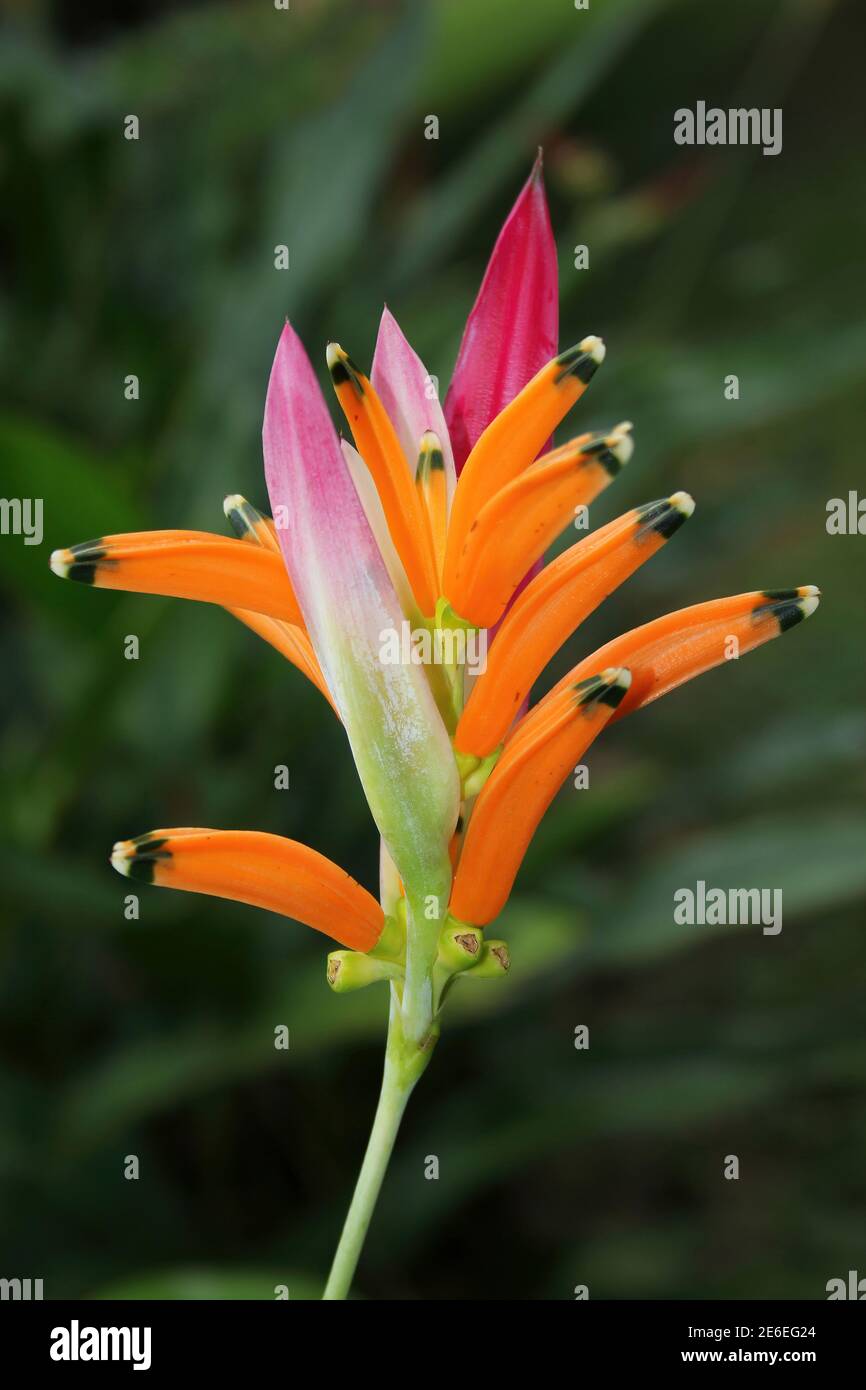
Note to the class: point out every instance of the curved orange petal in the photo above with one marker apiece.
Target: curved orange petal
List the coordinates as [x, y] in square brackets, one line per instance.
[518, 792]
[185, 564]
[515, 528]
[288, 639]
[552, 607]
[516, 436]
[250, 866]
[378, 445]
[432, 484]
[677, 647]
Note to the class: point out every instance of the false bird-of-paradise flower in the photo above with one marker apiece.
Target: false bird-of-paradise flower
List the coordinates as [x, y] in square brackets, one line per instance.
[436, 519]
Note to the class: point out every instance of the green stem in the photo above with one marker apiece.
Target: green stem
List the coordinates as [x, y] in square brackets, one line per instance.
[404, 1063]
[417, 993]
[425, 915]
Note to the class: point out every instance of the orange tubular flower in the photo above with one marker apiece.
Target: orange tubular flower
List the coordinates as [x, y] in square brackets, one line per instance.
[433, 489]
[552, 607]
[537, 757]
[671, 650]
[263, 870]
[513, 439]
[387, 563]
[377, 443]
[519, 791]
[184, 564]
[518, 525]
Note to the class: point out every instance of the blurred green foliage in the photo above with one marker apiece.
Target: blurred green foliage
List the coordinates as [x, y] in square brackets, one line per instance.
[155, 1037]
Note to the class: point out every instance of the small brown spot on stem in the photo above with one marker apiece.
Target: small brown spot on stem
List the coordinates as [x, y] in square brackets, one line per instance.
[468, 943]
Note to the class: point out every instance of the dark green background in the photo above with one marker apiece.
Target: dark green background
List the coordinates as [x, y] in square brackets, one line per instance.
[154, 1037]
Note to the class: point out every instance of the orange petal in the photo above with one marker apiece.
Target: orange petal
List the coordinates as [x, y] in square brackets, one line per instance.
[185, 564]
[516, 527]
[263, 870]
[432, 484]
[518, 792]
[291, 641]
[679, 646]
[549, 610]
[378, 445]
[516, 436]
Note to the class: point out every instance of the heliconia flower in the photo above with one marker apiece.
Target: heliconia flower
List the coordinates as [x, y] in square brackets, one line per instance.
[372, 534]
[374, 537]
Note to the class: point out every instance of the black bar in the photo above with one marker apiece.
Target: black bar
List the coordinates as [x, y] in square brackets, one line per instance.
[234, 1337]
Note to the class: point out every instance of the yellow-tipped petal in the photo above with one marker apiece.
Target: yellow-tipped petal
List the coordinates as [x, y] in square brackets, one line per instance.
[378, 445]
[518, 792]
[290, 640]
[250, 866]
[185, 564]
[432, 484]
[517, 436]
[516, 527]
[677, 647]
[552, 607]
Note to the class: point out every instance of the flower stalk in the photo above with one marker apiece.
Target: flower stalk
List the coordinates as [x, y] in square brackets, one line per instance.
[425, 914]
[405, 1062]
[435, 520]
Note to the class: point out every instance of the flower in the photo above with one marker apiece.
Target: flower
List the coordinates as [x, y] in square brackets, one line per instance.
[435, 517]
[436, 520]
